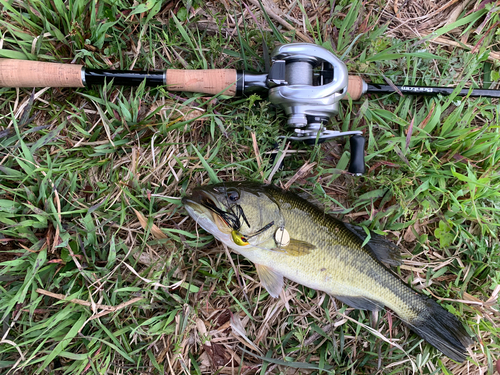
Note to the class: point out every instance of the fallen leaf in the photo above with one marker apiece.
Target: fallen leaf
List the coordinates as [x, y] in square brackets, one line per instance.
[155, 231]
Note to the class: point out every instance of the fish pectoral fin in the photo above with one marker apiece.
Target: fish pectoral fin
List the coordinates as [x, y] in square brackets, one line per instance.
[270, 279]
[360, 303]
[296, 248]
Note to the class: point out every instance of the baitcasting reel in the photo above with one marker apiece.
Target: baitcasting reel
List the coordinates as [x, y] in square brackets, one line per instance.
[307, 82]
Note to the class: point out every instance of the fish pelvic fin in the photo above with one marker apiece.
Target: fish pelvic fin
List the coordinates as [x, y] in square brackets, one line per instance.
[381, 248]
[442, 330]
[270, 279]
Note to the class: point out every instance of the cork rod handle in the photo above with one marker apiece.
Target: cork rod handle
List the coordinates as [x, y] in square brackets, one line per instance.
[355, 87]
[25, 73]
[208, 81]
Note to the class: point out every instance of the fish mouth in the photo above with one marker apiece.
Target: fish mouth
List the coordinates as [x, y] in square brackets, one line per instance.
[202, 204]
[201, 199]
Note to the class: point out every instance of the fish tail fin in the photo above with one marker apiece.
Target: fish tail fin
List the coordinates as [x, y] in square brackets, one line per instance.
[442, 330]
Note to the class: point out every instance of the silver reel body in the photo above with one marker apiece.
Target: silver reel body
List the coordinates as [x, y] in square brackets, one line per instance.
[308, 81]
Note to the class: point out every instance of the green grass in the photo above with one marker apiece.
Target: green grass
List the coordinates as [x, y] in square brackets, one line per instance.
[90, 181]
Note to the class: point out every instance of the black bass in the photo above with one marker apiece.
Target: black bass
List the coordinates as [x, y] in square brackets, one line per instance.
[286, 236]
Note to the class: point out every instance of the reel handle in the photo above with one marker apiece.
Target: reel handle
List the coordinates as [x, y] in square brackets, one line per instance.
[357, 165]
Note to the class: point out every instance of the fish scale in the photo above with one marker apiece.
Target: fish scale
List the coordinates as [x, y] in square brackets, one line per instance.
[323, 253]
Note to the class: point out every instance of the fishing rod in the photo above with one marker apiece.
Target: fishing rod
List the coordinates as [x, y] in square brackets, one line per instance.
[305, 80]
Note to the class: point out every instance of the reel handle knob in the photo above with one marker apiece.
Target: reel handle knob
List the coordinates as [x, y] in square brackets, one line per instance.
[357, 165]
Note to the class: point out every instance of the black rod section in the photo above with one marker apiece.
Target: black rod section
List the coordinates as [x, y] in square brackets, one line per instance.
[431, 90]
[124, 77]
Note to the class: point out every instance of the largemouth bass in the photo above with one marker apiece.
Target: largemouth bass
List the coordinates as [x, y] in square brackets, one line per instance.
[286, 236]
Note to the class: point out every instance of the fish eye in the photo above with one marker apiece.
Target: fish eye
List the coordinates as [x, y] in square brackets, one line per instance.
[233, 196]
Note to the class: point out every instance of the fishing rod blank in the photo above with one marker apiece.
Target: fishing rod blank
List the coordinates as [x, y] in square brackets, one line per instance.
[430, 90]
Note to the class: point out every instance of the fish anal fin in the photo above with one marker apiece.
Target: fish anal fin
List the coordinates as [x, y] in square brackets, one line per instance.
[361, 303]
[270, 279]
[296, 248]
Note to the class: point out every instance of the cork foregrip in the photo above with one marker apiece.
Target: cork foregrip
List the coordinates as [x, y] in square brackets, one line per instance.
[25, 73]
[209, 81]
[354, 87]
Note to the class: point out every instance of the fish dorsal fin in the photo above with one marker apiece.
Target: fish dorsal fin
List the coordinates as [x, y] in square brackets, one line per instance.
[296, 248]
[270, 279]
[381, 248]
